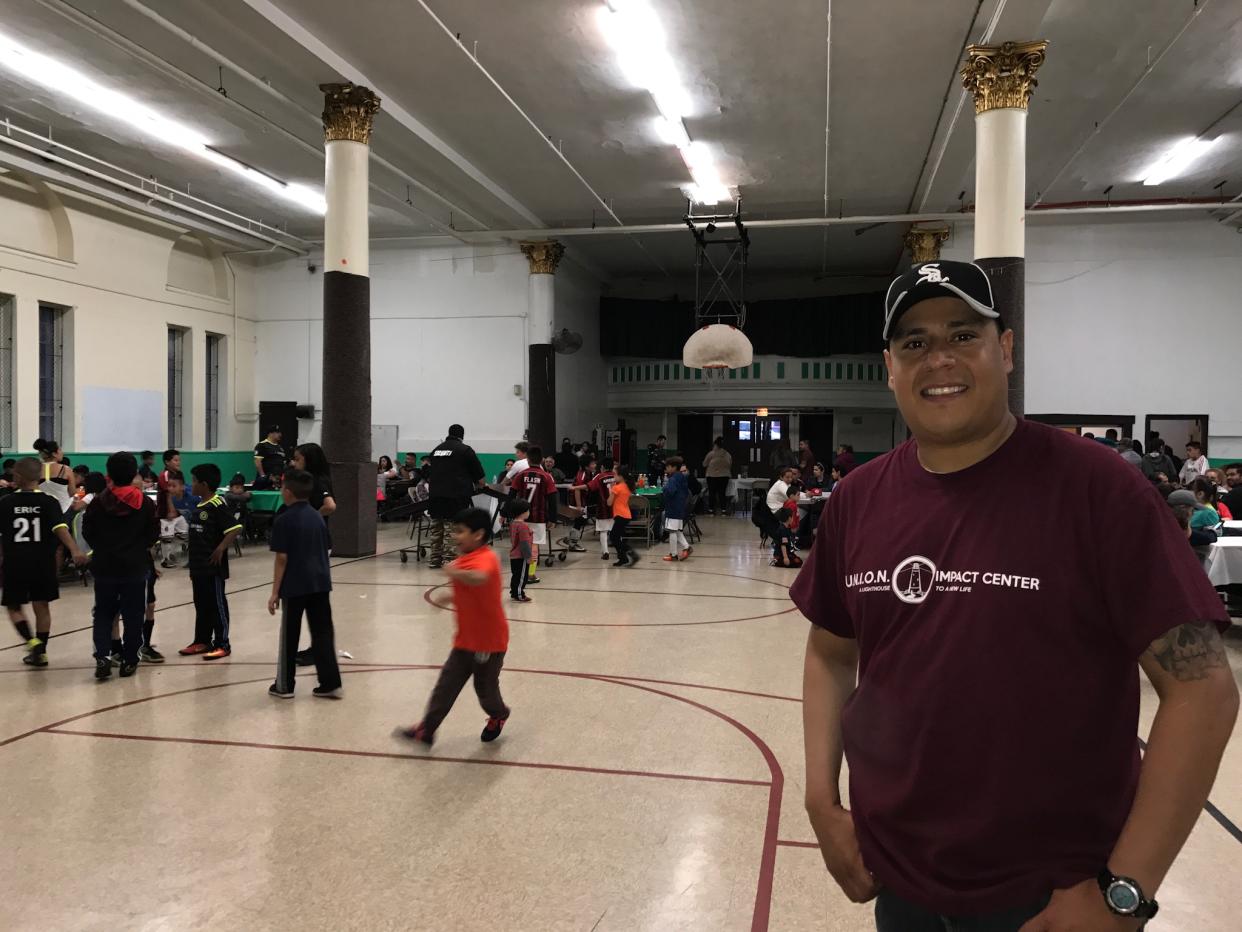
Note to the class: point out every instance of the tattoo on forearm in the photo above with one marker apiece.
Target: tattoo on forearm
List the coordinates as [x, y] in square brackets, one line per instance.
[1190, 651]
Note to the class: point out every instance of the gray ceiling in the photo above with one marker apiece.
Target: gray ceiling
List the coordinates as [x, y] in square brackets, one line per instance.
[461, 156]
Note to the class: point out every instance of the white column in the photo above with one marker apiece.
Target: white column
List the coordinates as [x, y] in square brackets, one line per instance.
[25, 371]
[346, 246]
[540, 301]
[1000, 183]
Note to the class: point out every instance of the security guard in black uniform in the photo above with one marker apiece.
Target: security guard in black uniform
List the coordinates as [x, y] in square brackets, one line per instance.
[452, 476]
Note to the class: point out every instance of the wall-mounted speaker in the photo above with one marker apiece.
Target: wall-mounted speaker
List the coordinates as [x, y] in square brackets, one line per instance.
[305, 412]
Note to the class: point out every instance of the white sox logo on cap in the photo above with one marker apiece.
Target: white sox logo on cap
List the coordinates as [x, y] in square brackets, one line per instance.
[930, 274]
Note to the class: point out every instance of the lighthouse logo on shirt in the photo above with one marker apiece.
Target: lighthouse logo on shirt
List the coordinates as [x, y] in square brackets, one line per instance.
[913, 579]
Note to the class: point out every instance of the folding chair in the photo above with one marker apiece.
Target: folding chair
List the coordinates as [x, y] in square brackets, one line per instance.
[693, 533]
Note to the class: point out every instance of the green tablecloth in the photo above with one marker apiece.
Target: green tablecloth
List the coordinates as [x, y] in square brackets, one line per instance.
[650, 491]
[266, 500]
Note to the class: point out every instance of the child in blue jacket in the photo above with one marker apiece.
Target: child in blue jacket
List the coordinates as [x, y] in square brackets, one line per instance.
[676, 510]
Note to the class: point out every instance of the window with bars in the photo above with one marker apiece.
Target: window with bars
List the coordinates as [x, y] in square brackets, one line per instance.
[214, 343]
[6, 371]
[51, 370]
[176, 384]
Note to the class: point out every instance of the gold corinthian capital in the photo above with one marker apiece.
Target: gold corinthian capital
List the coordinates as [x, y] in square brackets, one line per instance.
[1002, 76]
[924, 243]
[543, 256]
[347, 112]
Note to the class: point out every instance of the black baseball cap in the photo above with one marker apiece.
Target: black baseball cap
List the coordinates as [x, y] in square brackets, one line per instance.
[940, 279]
[274, 429]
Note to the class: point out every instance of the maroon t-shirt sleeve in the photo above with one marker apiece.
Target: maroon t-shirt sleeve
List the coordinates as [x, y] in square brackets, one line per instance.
[1151, 578]
[817, 591]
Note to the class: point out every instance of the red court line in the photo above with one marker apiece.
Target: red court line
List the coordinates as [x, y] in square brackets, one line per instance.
[540, 587]
[767, 864]
[392, 755]
[787, 843]
[427, 597]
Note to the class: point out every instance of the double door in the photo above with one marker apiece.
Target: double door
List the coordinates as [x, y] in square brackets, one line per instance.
[751, 439]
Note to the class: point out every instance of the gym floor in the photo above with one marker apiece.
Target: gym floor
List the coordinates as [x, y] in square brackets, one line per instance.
[651, 776]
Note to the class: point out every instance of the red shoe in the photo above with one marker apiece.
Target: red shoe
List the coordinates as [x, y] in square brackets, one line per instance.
[669, 558]
[491, 731]
[415, 733]
[218, 654]
[193, 649]
[684, 555]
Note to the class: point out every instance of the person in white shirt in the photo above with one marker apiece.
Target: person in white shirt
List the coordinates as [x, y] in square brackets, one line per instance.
[1196, 464]
[521, 464]
[780, 490]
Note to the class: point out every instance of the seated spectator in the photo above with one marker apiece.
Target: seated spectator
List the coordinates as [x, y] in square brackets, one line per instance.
[1157, 466]
[1231, 497]
[549, 466]
[1184, 508]
[1207, 513]
[384, 471]
[791, 505]
[410, 468]
[780, 489]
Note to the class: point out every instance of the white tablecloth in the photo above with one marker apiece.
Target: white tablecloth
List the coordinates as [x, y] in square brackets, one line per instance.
[1224, 561]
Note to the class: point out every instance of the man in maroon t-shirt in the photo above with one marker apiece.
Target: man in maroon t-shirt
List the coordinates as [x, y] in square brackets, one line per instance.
[975, 653]
[534, 484]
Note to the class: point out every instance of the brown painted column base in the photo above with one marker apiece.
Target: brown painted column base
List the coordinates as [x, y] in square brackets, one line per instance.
[541, 420]
[347, 411]
[1008, 277]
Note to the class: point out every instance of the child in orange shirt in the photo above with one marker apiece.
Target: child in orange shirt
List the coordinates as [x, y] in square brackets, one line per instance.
[619, 502]
[482, 633]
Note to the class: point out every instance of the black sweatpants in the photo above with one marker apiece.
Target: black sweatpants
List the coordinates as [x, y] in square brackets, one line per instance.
[461, 666]
[717, 492]
[211, 611]
[893, 914]
[616, 537]
[318, 610]
[517, 581]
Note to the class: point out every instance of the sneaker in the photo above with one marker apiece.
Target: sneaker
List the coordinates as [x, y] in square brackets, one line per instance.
[103, 669]
[622, 563]
[128, 667]
[435, 566]
[533, 579]
[193, 649]
[326, 692]
[491, 731]
[689, 550]
[604, 556]
[633, 559]
[168, 564]
[305, 658]
[115, 659]
[575, 548]
[669, 558]
[276, 691]
[684, 555]
[150, 655]
[415, 733]
[217, 654]
[36, 648]
[520, 598]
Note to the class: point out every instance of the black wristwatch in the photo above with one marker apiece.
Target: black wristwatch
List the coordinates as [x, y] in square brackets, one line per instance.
[1125, 897]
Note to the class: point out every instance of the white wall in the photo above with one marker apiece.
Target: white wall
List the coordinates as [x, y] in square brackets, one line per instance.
[448, 342]
[1134, 317]
[111, 269]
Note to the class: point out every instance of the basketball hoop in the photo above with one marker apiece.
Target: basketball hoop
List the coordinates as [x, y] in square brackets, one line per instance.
[720, 301]
[717, 346]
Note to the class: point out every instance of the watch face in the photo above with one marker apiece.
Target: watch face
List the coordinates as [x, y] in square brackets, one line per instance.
[1123, 897]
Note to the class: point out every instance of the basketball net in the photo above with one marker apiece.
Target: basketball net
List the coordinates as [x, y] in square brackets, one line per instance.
[714, 376]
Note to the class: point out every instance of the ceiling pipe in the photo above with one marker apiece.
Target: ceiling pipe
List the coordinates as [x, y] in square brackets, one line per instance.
[145, 197]
[144, 54]
[1199, 7]
[547, 140]
[311, 116]
[1093, 208]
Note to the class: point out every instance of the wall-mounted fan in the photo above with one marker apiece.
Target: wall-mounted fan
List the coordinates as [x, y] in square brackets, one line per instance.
[567, 342]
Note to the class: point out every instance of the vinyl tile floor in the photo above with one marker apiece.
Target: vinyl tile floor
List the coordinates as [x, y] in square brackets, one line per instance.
[651, 777]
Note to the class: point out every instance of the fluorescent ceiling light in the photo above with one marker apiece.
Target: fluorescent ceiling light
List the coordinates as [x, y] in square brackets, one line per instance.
[635, 33]
[57, 76]
[673, 132]
[1178, 159]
